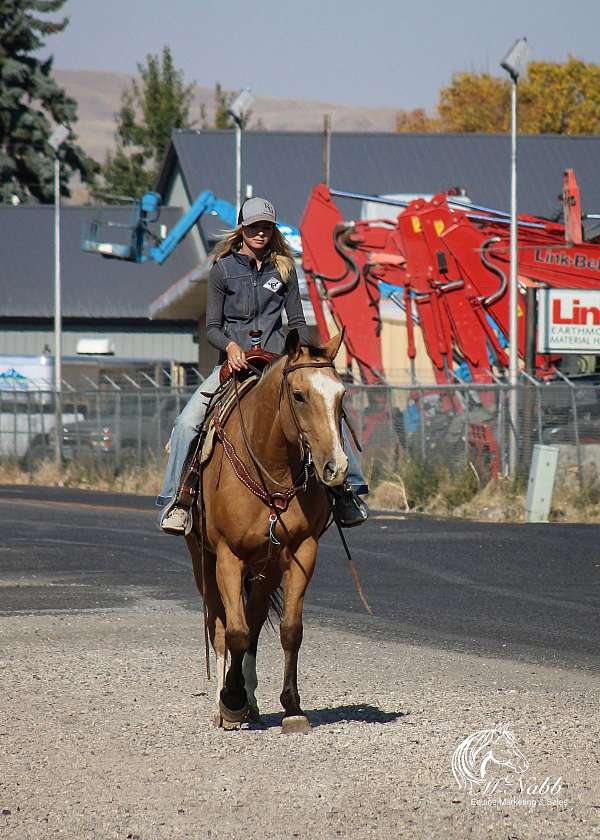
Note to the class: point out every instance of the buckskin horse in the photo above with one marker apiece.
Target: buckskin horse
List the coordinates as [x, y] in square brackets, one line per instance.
[265, 508]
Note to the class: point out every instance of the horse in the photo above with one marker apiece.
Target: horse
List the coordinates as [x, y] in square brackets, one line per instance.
[265, 505]
[473, 757]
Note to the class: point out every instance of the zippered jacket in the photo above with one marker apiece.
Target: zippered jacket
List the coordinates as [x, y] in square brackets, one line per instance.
[242, 297]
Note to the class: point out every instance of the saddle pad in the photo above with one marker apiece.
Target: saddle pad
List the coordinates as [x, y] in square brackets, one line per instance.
[224, 406]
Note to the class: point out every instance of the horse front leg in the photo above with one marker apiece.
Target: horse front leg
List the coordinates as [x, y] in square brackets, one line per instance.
[296, 578]
[233, 703]
[257, 611]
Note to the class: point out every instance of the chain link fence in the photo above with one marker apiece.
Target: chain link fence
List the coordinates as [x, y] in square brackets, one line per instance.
[453, 426]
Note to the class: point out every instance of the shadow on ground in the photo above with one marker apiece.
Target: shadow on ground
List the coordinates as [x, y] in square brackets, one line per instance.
[359, 713]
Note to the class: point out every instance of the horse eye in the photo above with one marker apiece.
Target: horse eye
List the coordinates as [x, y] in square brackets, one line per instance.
[299, 396]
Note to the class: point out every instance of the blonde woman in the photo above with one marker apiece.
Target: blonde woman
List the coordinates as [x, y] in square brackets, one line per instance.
[253, 279]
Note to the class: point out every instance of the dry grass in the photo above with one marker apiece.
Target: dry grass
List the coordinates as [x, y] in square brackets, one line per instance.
[417, 488]
[145, 481]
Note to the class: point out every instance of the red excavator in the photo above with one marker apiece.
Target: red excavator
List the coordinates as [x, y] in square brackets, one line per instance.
[446, 263]
[449, 263]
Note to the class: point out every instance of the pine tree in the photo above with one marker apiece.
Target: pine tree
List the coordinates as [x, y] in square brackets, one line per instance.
[31, 105]
[150, 110]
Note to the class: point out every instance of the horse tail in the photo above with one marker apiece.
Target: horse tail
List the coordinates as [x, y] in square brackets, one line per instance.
[275, 601]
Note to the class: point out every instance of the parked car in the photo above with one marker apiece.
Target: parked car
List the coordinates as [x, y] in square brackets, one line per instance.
[122, 428]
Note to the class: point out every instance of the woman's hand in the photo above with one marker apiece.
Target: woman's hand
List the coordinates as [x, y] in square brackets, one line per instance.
[236, 356]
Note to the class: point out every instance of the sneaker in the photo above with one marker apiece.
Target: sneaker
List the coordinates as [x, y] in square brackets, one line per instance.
[175, 520]
[348, 509]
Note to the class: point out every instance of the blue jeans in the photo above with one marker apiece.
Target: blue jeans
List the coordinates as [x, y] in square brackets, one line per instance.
[188, 425]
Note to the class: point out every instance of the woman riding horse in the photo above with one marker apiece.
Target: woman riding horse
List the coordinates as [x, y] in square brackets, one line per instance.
[252, 280]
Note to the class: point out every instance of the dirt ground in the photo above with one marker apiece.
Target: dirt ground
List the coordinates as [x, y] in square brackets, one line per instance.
[105, 733]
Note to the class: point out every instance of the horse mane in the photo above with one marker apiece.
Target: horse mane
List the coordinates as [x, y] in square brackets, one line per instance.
[463, 759]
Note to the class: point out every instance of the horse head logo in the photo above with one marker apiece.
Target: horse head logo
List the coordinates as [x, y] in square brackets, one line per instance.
[478, 755]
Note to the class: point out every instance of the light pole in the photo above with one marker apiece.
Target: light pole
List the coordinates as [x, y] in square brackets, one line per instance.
[238, 109]
[514, 62]
[56, 140]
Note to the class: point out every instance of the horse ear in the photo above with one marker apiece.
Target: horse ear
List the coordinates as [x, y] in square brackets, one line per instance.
[292, 344]
[332, 347]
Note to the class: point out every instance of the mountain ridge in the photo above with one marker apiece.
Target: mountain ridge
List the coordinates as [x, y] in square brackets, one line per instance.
[98, 95]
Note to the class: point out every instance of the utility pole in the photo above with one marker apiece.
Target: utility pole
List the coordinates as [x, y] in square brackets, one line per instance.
[238, 109]
[515, 63]
[56, 140]
[326, 148]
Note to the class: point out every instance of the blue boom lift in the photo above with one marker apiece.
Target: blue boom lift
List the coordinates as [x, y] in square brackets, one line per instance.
[140, 244]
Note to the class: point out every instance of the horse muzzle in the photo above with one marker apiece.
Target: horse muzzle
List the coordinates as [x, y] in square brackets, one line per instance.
[334, 471]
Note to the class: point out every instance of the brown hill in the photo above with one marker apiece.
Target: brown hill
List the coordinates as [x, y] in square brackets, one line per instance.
[98, 95]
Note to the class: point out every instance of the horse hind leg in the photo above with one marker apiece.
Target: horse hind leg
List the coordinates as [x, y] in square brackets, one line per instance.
[204, 574]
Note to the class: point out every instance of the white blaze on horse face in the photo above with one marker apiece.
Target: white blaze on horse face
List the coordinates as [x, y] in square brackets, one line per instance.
[331, 391]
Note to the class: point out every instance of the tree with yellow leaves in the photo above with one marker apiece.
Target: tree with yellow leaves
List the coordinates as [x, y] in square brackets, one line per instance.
[553, 99]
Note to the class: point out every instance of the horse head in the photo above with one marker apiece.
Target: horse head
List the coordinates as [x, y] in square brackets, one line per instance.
[314, 405]
[504, 751]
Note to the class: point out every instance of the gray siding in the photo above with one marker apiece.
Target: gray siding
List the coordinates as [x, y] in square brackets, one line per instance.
[141, 344]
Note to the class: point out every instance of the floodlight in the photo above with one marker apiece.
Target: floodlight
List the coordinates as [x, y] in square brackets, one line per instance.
[515, 60]
[58, 137]
[241, 104]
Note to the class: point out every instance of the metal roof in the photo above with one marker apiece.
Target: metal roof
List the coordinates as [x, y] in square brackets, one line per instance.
[283, 166]
[92, 286]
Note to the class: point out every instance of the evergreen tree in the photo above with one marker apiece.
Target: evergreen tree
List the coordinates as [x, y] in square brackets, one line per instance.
[153, 106]
[31, 105]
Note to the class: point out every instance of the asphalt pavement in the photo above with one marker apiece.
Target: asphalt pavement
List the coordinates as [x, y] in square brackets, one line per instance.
[528, 592]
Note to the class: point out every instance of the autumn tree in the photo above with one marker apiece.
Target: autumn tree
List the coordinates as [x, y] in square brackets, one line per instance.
[475, 103]
[560, 98]
[151, 109]
[31, 105]
[417, 121]
[553, 98]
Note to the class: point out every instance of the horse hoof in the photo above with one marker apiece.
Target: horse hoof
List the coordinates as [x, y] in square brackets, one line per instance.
[253, 715]
[294, 724]
[217, 720]
[232, 718]
[231, 725]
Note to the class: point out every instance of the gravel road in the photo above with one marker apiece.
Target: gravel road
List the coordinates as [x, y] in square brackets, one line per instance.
[105, 733]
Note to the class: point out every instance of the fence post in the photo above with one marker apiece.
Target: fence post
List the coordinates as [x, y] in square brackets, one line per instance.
[575, 425]
[467, 424]
[422, 424]
[15, 431]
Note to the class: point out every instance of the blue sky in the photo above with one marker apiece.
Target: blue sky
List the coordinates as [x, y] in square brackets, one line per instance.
[384, 52]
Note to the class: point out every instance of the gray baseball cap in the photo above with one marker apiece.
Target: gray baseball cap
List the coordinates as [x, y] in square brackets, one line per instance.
[257, 210]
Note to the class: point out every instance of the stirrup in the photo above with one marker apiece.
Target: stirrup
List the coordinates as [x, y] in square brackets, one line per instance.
[347, 507]
[189, 520]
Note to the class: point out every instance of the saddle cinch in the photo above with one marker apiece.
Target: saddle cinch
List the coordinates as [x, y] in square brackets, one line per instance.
[221, 405]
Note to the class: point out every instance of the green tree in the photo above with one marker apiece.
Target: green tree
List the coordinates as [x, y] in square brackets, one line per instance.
[31, 105]
[150, 110]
